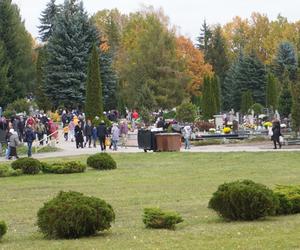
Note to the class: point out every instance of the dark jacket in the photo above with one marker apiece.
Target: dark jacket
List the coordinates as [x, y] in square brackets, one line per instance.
[78, 134]
[88, 130]
[276, 131]
[29, 135]
[101, 130]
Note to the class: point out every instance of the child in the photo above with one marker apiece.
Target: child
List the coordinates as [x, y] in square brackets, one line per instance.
[66, 131]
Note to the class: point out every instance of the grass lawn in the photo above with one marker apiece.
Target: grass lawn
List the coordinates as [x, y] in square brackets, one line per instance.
[174, 181]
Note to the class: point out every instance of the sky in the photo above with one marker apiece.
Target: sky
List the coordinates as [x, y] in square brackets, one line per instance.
[186, 15]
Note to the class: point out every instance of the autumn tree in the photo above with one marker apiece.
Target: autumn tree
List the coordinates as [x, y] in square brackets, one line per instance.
[195, 66]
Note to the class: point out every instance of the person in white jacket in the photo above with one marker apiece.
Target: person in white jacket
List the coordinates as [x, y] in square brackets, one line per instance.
[115, 134]
[187, 131]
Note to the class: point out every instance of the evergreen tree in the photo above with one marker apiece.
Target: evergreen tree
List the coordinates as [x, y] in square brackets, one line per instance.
[218, 57]
[94, 100]
[109, 80]
[40, 95]
[216, 92]
[204, 41]
[17, 67]
[209, 106]
[271, 92]
[68, 50]
[286, 59]
[296, 107]
[248, 73]
[285, 101]
[3, 77]
[247, 102]
[47, 20]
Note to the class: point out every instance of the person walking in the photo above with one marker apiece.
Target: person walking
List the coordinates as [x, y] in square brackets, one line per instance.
[29, 138]
[124, 133]
[102, 134]
[115, 134]
[3, 133]
[79, 135]
[72, 130]
[13, 144]
[88, 132]
[276, 134]
[40, 130]
[66, 131]
[187, 131]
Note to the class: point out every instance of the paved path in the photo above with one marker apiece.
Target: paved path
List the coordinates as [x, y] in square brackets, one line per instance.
[69, 149]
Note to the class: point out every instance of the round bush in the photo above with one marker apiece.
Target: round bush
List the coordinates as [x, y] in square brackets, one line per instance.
[27, 165]
[156, 218]
[6, 171]
[3, 228]
[63, 167]
[102, 161]
[73, 215]
[244, 200]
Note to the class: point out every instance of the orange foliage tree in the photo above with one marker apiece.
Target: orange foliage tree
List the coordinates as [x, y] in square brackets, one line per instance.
[195, 66]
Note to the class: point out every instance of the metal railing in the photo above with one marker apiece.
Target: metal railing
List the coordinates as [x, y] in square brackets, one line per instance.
[38, 145]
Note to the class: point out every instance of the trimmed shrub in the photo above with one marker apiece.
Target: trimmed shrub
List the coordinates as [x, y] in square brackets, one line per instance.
[244, 200]
[27, 165]
[63, 167]
[73, 215]
[3, 228]
[6, 171]
[102, 161]
[156, 218]
[289, 199]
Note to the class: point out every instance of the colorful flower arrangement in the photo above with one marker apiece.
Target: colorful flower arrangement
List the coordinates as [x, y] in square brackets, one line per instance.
[227, 130]
[268, 124]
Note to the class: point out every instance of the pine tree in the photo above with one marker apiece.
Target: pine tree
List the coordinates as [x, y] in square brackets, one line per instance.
[271, 92]
[286, 59]
[47, 20]
[204, 41]
[94, 100]
[247, 102]
[40, 95]
[109, 80]
[68, 50]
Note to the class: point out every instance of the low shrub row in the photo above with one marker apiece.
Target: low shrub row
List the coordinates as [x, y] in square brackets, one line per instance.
[63, 167]
[31, 166]
[247, 200]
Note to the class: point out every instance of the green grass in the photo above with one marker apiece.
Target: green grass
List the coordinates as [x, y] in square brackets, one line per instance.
[182, 182]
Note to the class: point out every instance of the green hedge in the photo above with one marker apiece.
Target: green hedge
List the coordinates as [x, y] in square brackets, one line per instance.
[156, 218]
[6, 171]
[27, 165]
[102, 161]
[63, 167]
[289, 199]
[73, 215]
[244, 200]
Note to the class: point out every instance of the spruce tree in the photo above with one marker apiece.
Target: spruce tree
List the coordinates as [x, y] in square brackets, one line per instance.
[68, 51]
[93, 101]
[247, 73]
[47, 20]
[218, 57]
[286, 60]
[271, 92]
[3, 77]
[204, 41]
[16, 54]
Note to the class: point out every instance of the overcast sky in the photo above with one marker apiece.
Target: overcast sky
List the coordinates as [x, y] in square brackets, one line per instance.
[187, 15]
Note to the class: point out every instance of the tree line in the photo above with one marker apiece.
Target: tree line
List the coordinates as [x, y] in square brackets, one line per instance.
[144, 63]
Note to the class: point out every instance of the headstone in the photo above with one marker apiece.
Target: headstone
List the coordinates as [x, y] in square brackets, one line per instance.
[219, 121]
